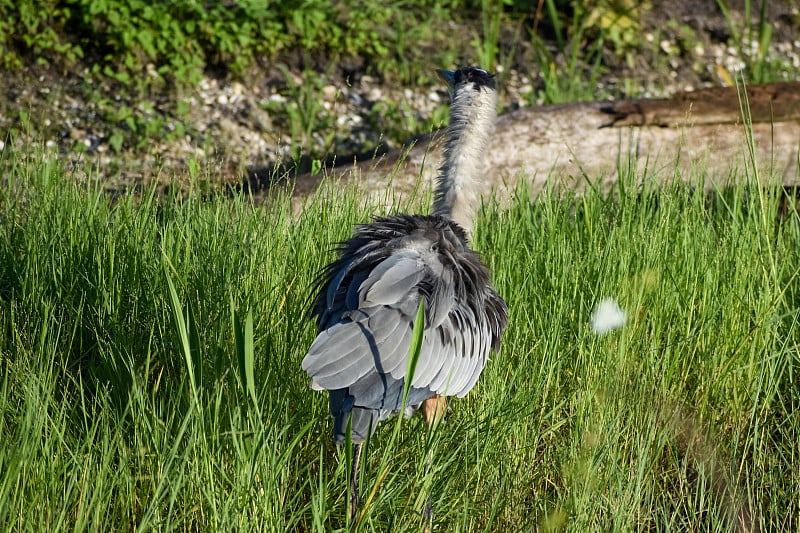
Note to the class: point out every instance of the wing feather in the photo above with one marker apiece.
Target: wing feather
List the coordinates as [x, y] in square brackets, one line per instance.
[439, 382]
[457, 376]
[343, 371]
[392, 280]
[329, 347]
[430, 361]
[460, 370]
[473, 378]
[393, 348]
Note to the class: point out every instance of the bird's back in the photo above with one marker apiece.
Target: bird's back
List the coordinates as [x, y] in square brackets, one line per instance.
[366, 306]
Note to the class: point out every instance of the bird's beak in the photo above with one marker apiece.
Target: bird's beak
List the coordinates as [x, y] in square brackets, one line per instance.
[447, 75]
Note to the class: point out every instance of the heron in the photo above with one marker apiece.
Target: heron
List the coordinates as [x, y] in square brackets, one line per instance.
[367, 298]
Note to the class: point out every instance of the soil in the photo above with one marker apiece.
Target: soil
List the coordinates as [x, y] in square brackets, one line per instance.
[225, 128]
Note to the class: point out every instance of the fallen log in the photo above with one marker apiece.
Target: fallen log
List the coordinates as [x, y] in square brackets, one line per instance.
[720, 131]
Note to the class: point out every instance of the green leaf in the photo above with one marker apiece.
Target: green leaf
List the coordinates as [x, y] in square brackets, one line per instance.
[116, 141]
[415, 347]
[245, 353]
[186, 331]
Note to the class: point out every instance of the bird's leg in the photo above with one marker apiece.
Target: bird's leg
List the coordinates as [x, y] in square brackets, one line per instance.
[354, 499]
[433, 409]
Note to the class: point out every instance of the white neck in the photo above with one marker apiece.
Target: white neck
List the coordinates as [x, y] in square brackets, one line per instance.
[472, 117]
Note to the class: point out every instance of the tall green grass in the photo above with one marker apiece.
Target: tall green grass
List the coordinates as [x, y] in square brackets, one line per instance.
[150, 368]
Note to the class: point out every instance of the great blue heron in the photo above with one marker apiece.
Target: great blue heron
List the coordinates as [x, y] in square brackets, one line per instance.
[368, 297]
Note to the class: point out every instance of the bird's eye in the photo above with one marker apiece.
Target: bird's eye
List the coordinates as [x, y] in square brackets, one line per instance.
[435, 247]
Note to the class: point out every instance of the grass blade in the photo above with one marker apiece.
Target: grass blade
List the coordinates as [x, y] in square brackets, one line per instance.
[245, 354]
[187, 334]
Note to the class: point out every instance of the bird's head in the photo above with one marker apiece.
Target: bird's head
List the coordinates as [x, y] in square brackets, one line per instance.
[460, 79]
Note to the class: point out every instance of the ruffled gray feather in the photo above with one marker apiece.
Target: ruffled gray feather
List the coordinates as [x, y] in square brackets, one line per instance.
[366, 305]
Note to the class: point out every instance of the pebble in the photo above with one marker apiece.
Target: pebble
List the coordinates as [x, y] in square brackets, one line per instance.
[260, 118]
[329, 92]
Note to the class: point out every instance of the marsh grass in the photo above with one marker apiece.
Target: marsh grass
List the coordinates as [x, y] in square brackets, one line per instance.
[150, 367]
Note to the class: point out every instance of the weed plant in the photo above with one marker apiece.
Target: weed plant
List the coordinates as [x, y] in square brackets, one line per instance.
[150, 373]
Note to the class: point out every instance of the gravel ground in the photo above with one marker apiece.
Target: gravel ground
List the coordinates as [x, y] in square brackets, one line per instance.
[226, 127]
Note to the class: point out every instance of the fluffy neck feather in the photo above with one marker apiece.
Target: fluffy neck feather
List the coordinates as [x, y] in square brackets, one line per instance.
[472, 116]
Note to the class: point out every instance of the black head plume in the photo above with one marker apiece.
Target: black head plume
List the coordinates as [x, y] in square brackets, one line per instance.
[474, 75]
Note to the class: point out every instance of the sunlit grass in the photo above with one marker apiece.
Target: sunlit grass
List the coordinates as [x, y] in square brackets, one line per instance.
[686, 418]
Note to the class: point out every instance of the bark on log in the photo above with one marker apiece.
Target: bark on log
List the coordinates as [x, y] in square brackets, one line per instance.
[574, 145]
